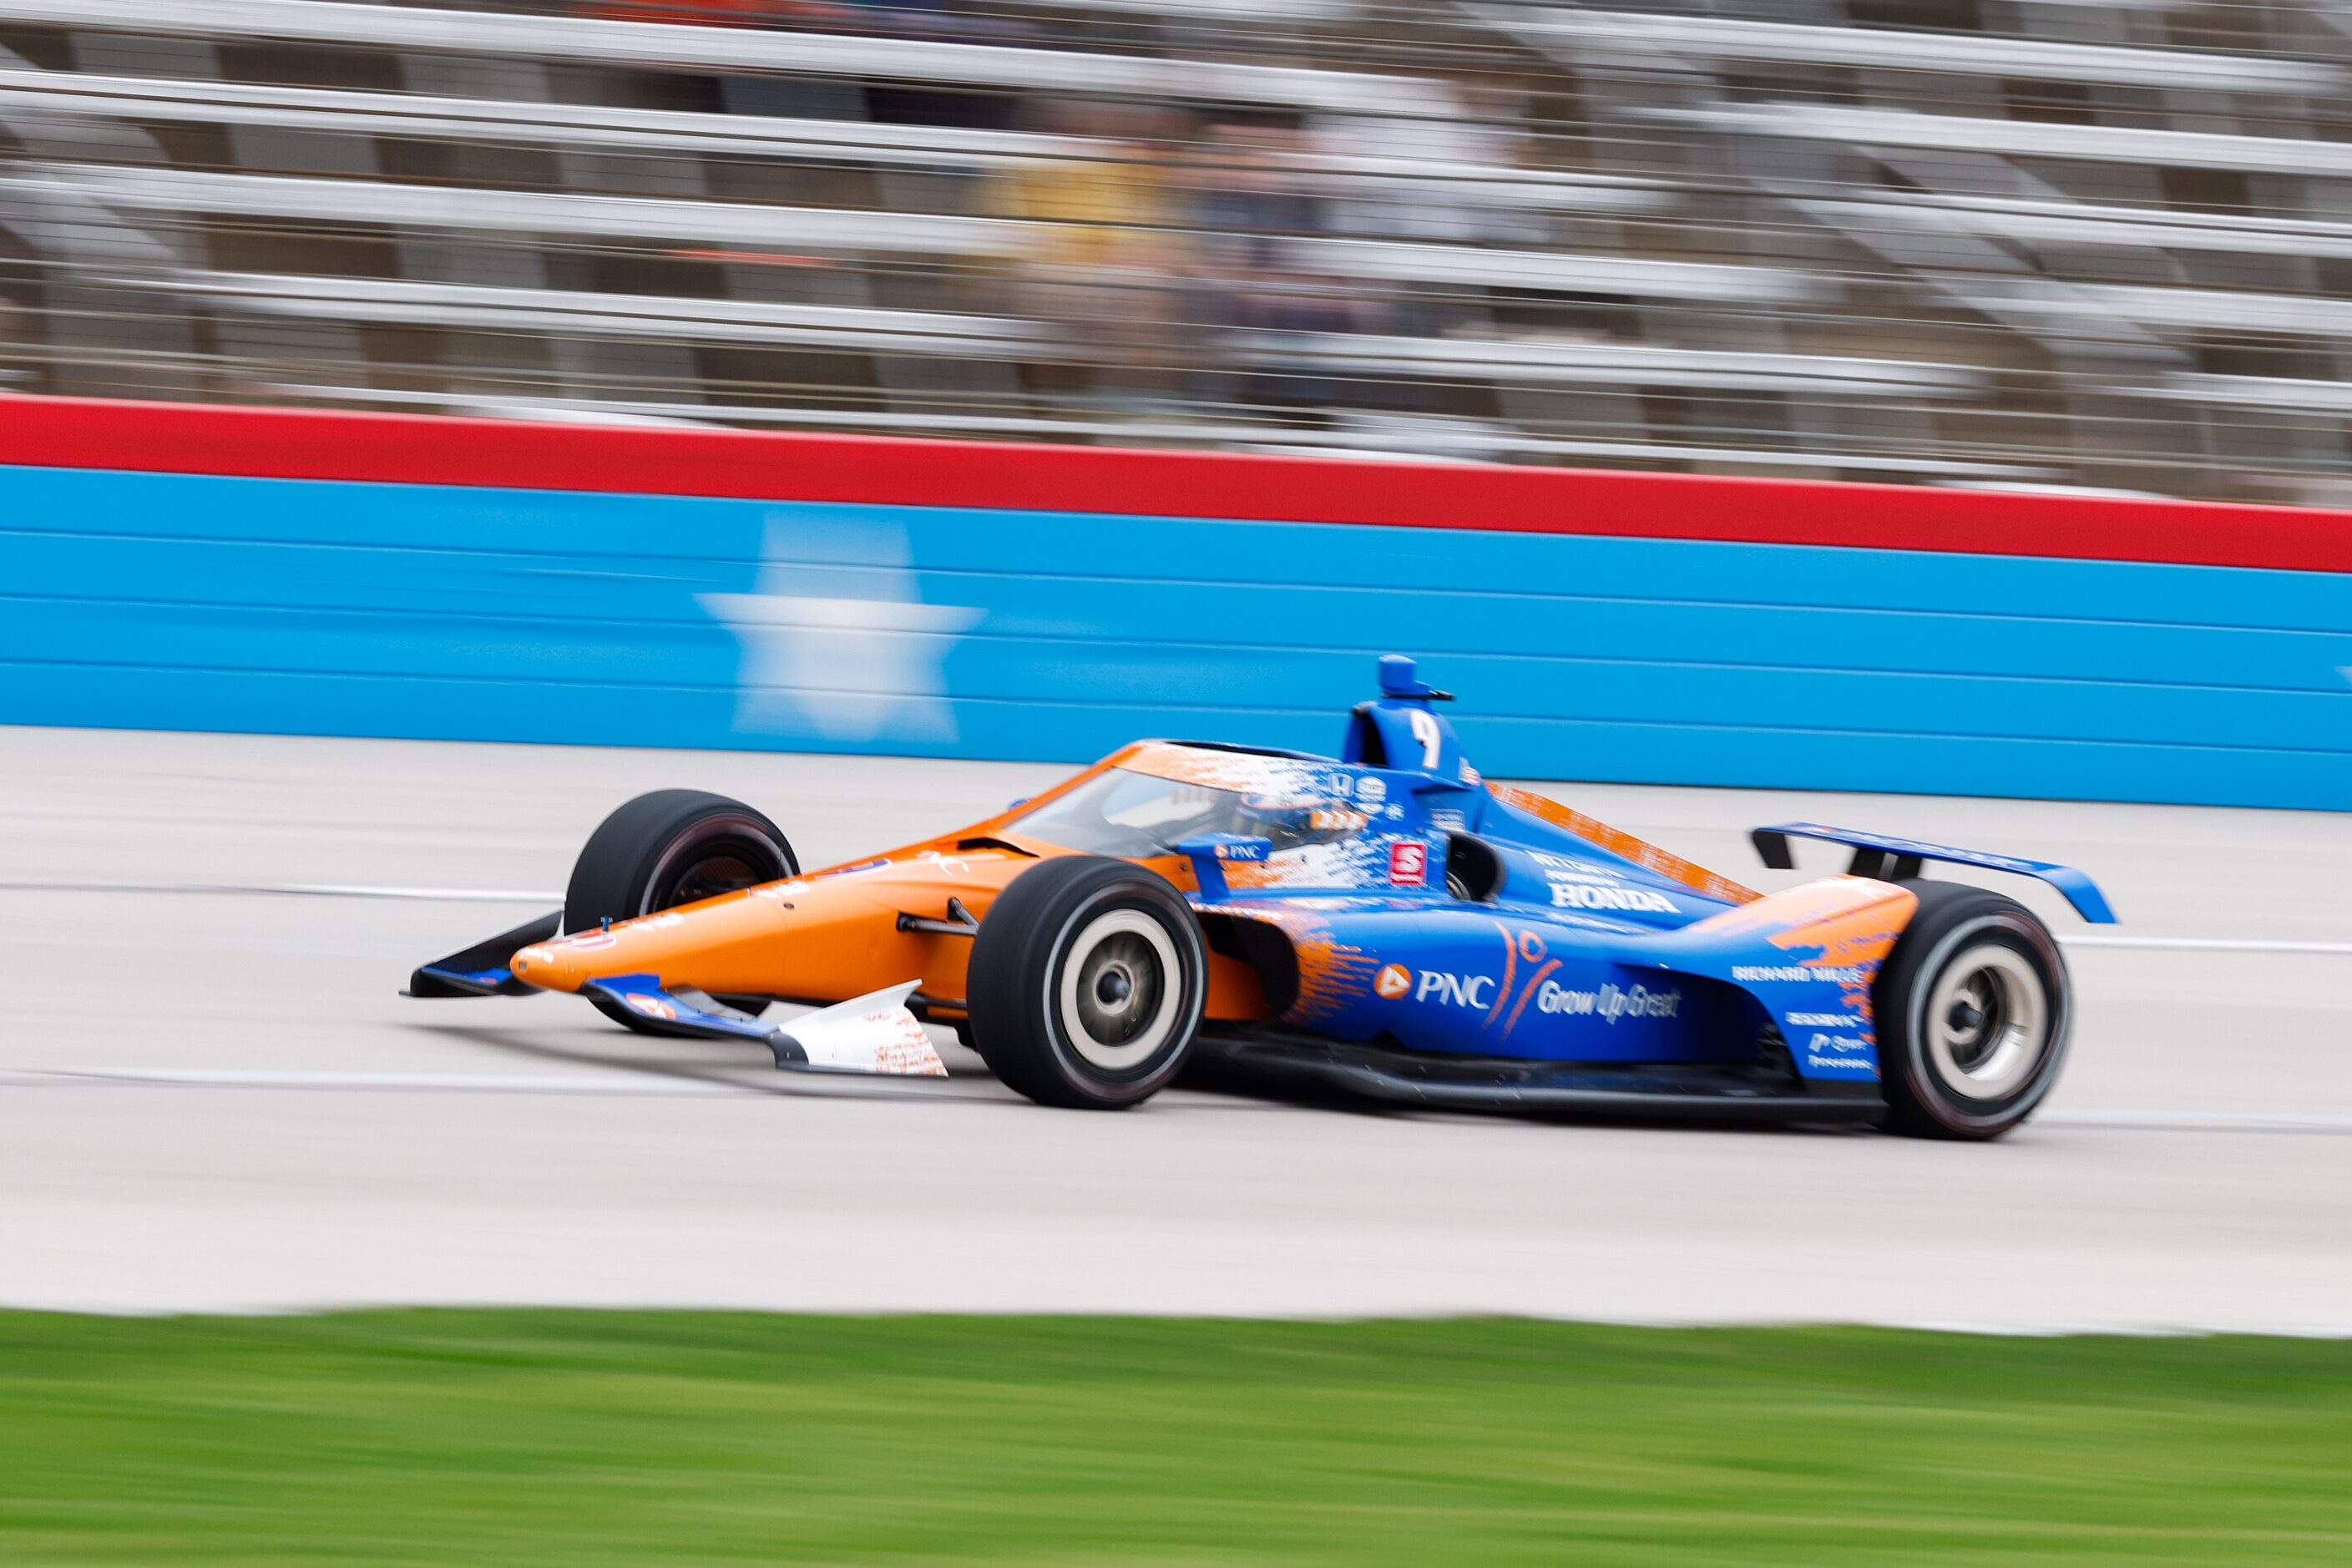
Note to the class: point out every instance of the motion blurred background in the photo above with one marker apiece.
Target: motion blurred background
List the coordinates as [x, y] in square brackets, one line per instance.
[1977, 243]
[289, 703]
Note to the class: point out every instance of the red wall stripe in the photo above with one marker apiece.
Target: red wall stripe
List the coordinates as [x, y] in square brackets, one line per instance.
[275, 443]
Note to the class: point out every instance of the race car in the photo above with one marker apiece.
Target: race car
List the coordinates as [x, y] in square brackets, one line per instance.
[1387, 922]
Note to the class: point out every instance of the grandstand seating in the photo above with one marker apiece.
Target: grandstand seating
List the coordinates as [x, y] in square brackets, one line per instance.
[1950, 241]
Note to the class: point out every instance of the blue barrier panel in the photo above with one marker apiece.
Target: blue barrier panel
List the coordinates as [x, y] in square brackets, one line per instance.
[191, 601]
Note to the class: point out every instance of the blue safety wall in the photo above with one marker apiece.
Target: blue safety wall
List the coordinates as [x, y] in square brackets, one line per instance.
[197, 603]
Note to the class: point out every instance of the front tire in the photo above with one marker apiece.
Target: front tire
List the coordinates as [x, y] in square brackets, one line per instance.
[670, 848]
[1973, 1007]
[1086, 982]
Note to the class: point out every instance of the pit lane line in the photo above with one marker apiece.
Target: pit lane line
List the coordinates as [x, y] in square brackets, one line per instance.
[625, 1084]
[541, 900]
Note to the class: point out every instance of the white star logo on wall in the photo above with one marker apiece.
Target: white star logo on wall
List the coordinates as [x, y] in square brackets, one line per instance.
[861, 665]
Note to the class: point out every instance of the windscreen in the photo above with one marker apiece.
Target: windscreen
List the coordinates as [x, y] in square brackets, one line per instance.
[1134, 815]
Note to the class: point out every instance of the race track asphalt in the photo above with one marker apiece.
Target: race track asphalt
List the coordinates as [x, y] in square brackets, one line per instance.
[215, 1098]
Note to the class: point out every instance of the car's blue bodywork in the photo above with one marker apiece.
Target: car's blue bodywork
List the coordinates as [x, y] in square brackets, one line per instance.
[1418, 932]
[1555, 939]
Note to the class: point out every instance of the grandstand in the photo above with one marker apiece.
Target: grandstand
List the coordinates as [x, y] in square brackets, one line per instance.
[1996, 243]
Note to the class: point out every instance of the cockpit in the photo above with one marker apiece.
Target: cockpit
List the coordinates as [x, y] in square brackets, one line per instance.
[1134, 815]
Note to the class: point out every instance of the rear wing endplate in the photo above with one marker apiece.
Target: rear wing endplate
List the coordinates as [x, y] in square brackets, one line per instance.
[1894, 860]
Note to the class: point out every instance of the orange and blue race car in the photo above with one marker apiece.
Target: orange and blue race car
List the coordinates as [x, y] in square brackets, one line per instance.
[1385, 922]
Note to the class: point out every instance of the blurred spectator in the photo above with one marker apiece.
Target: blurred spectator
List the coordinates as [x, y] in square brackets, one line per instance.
[1254, 204]
[1106, 261]
[1454, 207]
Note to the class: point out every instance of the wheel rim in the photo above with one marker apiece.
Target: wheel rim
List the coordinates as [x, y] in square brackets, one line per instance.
[1988, 1023]
[705, 867]
[1120, 990]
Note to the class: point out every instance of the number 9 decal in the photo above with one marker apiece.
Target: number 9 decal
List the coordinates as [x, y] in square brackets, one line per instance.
[1431, 739]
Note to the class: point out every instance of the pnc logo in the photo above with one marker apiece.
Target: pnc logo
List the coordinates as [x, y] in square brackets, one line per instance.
[1453, 991]
[1392, 981]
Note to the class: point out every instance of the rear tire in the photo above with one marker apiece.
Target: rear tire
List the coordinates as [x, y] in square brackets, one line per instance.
[674, 846]
[1973, 1007]
[1086, 982]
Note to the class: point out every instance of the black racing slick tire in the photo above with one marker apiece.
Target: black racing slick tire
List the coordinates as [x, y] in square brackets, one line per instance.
[1973, 1007]
[1086, 982]
[670, 848]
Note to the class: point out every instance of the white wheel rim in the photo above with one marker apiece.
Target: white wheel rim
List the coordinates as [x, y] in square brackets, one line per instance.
[1988, 1022]
[1111, 1030]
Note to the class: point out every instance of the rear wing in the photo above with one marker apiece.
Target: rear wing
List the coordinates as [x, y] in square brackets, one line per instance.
[1892, 859]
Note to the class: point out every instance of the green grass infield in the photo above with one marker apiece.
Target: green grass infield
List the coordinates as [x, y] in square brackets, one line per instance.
[680, 1437]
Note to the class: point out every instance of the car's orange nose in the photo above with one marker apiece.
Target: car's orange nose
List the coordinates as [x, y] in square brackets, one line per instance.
[725, 938]
[820, 938]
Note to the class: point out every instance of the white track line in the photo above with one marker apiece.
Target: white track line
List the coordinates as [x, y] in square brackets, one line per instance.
[615, 1083]
[620, 1083]
[430, 895]
[301, 890]
[2198, 1120]
[2209, 945]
